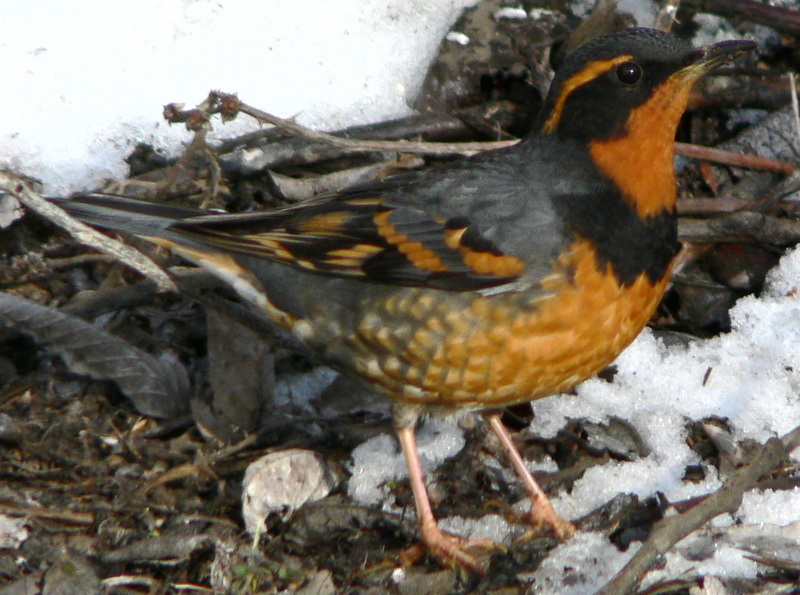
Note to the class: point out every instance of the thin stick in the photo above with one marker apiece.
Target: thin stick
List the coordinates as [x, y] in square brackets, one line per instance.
[795, 108]
[401, 146]
[733, 158]
[666, 16]
[67, 516]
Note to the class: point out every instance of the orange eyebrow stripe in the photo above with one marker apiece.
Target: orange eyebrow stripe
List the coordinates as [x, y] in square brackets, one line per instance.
[420, 256]
[580, 78]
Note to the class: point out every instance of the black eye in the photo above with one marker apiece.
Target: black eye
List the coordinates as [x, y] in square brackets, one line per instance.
[629, 73]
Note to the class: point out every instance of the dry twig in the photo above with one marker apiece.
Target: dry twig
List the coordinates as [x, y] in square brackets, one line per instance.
[666, 16]
[733, 158]
[229, 105]
[741, 226]
[795, 108]
[37, 512]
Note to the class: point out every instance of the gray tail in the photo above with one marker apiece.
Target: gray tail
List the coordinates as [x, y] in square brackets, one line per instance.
[118, 213]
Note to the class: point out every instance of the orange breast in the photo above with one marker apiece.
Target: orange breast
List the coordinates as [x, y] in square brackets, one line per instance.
[443, 349]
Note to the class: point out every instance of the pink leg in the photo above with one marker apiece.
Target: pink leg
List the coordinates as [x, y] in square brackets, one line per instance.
[542, 512]
[447, 548]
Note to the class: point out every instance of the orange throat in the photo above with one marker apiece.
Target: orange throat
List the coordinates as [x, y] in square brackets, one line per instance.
[641, 161]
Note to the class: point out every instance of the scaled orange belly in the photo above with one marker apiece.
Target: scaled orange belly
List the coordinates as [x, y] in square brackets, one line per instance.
[499, 349]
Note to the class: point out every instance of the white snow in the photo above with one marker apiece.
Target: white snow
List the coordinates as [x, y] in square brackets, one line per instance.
[379, 460]
[509, 12]
[88, 80]
[85, 81]
[588, 561]
[457, 37]
[771, 507]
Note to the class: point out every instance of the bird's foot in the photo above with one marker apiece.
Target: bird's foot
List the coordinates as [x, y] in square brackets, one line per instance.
[542, 517]
[451, 550]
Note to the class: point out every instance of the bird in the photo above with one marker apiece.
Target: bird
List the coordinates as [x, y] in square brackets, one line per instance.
[504, 277]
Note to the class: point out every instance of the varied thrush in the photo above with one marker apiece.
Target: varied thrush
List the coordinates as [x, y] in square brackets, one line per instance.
[504, 277]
